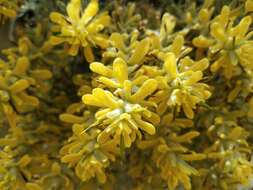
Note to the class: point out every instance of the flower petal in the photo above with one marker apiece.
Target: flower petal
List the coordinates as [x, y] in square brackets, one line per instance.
[170, 65]
[73, 10]
[58, 18]
[120, 71]
[70, 118]
[21, 66]
[88, 54]
[145, 90]
[177, 45]
[140, 51]
[90, 11]
[19, 86]
[101, 69]
[117, 41]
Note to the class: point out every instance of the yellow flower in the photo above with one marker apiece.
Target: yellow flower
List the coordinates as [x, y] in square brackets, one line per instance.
[124, 17]
[89, 157]
[122, 118]
[229, 152]
[141, 116]
[13, 89]
[53, 178]
[175, 45]
[133, 53]
[8, 9]
[119, 78]
[167, 26]
[170, 158]
[193, 18]
[173, 169]
[232, 44]
[115, 76]
[199, 19]
[81, 28]
[16, 77]
[180, 87]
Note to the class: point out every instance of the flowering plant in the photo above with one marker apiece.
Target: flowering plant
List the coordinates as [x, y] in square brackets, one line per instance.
[102, 95]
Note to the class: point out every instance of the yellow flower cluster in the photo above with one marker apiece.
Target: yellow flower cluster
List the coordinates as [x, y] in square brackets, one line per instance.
[24, 159]
[8, 9]
[129, 96]
[80, 29]
[229, 152]
[181, 86]
[230, 43]
[17, 76]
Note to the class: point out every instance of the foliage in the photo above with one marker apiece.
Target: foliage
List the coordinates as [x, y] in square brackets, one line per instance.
[127, 95]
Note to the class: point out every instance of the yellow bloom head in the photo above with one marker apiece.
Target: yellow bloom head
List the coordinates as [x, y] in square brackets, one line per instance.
[81, 28]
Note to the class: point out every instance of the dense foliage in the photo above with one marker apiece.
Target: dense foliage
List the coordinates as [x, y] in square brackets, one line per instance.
[145, 95]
